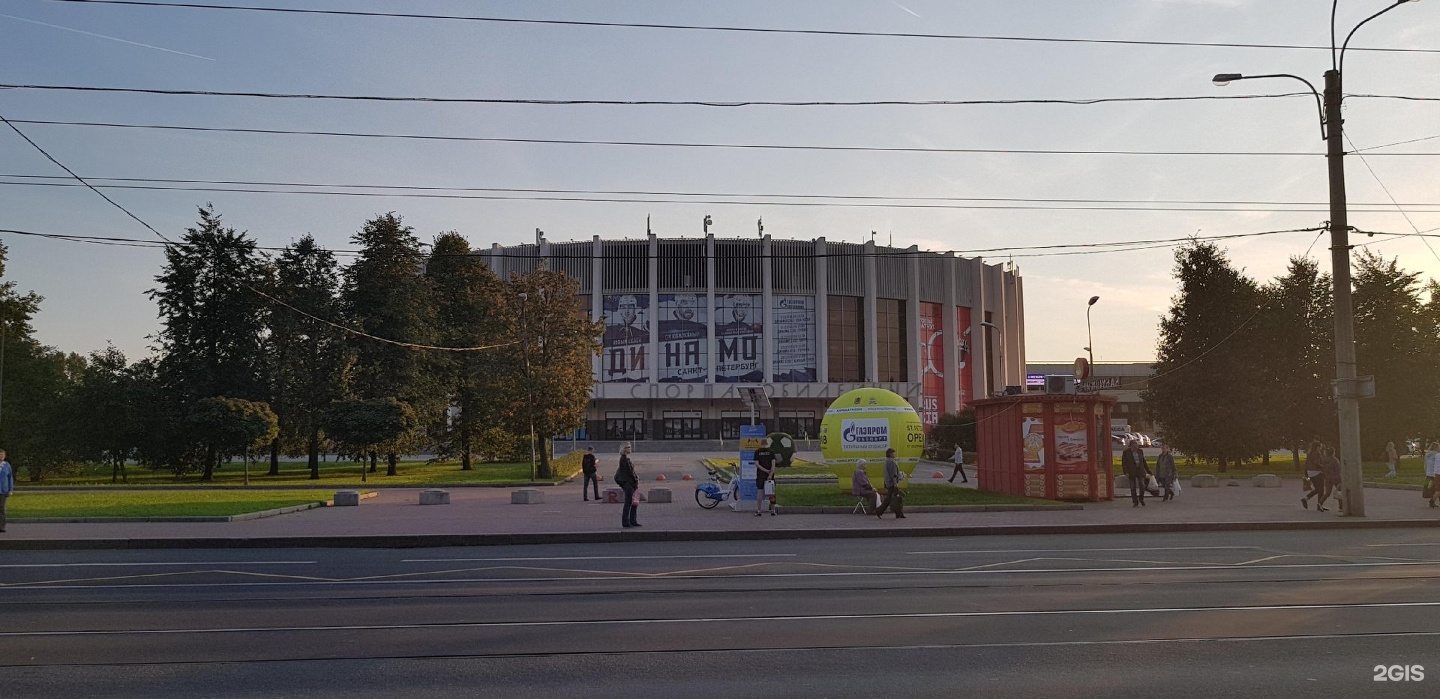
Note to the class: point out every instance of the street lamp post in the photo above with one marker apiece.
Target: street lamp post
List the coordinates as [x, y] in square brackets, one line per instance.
[529, 396]
[1089, 337]
[1347, 393]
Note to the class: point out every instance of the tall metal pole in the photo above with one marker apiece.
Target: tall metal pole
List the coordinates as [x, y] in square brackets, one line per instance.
[1346, 393]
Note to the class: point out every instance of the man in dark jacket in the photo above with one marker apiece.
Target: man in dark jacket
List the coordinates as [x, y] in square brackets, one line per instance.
[1132, 462]
[587, 466]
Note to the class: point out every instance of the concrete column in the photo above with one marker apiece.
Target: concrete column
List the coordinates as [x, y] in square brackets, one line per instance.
[767, 271]
[542, 251]
[950, 322]
[979, 373]
[710, 314]
[497, 263]
[912, 315]
[999, 374]
[1014, 367]
[822, 313]
[653, 368]
[1020, 355]
[872, 344]
[597, 295]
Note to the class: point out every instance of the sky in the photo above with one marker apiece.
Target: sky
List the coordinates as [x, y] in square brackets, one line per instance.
[95, 295]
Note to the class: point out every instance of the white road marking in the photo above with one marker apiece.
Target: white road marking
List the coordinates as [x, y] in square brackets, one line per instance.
[147, 564]
[601, 558]
[621, 575]
[713, 620]
[1148, 548]
[1389, 545]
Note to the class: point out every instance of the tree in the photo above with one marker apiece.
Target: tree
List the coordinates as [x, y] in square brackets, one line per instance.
[233, 426]
[1394, 342]
[365, 427]
[951, 429]
[550, 375]
[1208, 391]
[212, 320]
[107, 412]
[1296, 341]
[310, 357]
[470, 311]
[387, 295]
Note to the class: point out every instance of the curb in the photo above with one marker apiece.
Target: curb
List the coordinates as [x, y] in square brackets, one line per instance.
[242, 517]
[450, 540]
[306, 486]
[850, 509]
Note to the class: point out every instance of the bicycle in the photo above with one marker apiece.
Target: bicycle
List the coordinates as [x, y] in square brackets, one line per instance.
[718, 489]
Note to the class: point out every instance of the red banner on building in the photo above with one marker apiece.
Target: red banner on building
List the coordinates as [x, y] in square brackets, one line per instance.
[932, 363]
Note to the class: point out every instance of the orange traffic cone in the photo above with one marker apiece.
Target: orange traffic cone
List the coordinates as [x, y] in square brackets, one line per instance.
[688, 477]
[660, 477]
[938, 475]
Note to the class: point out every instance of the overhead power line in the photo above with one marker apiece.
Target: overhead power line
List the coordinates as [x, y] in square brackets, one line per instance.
[733, 29]
[666, 103]
[686, 144]
[640, 199]
[628, 192]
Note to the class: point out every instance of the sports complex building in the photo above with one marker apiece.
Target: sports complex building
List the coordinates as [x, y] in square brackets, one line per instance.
[692, 323]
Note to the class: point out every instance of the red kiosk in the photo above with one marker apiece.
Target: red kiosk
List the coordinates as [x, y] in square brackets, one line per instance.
[1051, 446]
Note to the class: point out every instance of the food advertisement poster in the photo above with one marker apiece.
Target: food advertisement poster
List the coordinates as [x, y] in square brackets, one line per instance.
[1032, 430]
[1072, 446]
[627, 338]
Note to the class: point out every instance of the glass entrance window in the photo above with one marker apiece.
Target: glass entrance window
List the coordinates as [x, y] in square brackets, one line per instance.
[800, 424]
[624, 426]
[681, 425]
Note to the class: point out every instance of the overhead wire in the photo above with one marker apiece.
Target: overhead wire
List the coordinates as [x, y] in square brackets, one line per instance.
[1393, 200]
[722, 28]
[252, 289]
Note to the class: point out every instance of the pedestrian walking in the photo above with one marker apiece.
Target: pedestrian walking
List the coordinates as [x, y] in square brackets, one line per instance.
[1432, 473]
[1313, 474]
[764, 479]
[630, 485]
[1392, 458]
[7, 486]
[587, 466]
[1132, 462]
[1165, 472]
[1330, 466]
[959, 458]
[894, 496]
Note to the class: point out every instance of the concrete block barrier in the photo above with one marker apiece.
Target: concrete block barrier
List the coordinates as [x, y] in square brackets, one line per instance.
[659, 495]
[347, 498]
[1265, 480]
[527, 496]
[434, 497]
[1204, 480]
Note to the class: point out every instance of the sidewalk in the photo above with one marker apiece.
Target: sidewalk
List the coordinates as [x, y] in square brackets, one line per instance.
[485, 516]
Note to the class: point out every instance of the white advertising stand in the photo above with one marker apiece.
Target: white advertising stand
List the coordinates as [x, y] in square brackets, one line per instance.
[752, 437]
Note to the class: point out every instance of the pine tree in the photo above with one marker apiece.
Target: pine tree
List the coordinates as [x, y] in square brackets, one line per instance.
[1296, 342]
[1393, 343]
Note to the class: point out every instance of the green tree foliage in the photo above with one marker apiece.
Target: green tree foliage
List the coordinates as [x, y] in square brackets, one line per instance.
[365, 427]
[309, 357]
[234, 426]
[470, 311]
[1394, 341]
[951, 429]
[108, 412]
[550, 374]
[1208, 391]
[387, 295]
[212, 327]
[1296, 342]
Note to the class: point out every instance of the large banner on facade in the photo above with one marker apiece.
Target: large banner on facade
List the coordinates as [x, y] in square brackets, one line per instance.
[932, 363]
[962, 364]
[627, 338]
[684, 340]
[794, 330]
[739, 322]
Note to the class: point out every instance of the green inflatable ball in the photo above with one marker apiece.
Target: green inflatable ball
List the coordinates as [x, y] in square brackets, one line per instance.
[784, 447]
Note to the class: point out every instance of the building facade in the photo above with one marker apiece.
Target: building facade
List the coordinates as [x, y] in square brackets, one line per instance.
[691, 323]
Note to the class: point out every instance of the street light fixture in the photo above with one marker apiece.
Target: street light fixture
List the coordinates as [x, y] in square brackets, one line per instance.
[1089, 337]
[1347, 388]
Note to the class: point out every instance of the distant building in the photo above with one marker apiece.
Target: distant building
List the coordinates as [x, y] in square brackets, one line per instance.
[1123, 382]
[689, 322]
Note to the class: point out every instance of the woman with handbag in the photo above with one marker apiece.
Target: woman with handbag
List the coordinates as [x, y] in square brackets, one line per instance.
[1432, 470]
[629, 484]
[1313, 475]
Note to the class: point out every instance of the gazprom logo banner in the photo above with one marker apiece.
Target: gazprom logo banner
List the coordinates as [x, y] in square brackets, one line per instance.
[865, 434]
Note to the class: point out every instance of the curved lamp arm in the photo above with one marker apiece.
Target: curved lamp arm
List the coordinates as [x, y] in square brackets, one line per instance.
[1223, 79]
[1339, 63]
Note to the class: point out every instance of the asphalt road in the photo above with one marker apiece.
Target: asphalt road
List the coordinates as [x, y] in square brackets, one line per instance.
[1192, 615]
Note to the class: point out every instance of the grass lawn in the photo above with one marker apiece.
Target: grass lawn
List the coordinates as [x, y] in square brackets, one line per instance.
[332, 474]
[152, 503]
[831, 496]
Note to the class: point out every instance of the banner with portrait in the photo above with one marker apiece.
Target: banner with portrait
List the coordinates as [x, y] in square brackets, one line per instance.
[739, 325]
[627, 338]
[932, 363]
[794, 330]
[684, 339]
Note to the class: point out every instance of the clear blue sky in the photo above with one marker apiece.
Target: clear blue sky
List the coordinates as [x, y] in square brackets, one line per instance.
[96, 294]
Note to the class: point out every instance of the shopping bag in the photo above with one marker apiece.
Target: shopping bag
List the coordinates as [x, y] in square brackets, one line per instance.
[1177, 486]
[635, 498]
[1151, 483]
[1429, 491]
[1305, 484]
[769, 490]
